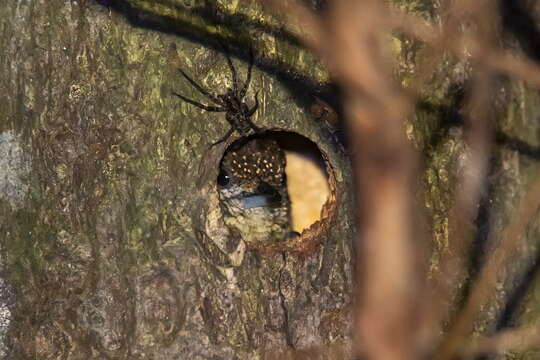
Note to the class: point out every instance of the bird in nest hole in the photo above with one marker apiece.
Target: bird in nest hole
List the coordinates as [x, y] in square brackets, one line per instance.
[252, 184]
[253, 192]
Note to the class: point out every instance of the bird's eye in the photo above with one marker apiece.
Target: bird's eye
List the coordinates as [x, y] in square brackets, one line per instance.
[223, 178]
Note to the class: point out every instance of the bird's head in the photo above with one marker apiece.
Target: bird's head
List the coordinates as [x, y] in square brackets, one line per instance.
[253, 174]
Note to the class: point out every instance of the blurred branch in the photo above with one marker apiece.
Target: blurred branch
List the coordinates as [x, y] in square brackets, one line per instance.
[466, 47]
[307, 24]
[472, 178]
[350, 41]
[487, 279]
[519, 339]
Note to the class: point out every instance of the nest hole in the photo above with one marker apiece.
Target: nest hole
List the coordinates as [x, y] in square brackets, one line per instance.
[310, 182]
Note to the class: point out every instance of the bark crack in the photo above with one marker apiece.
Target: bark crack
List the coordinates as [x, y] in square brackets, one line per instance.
[284, 280]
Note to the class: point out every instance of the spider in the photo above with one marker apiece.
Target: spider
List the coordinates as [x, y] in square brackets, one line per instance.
[232, 103]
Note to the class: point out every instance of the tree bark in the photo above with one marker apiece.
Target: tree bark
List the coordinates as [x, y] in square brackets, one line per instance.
[117, 248]
[113, 243]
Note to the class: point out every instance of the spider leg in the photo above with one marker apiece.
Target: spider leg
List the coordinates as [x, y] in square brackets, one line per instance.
[254, 127]
[255, 107]
[231, 67]
[199, 105]
[243, 92]
[224, 138]
[201, 89]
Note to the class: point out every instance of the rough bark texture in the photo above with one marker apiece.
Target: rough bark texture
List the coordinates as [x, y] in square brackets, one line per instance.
[117, 248]
[110, 228]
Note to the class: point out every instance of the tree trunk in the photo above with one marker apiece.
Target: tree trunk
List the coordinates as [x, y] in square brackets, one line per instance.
[113, 241]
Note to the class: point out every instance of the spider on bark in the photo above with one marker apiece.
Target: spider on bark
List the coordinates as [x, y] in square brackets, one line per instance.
[232, 103]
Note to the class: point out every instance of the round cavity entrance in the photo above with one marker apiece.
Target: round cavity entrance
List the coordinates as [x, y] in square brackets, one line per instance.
[253, 191]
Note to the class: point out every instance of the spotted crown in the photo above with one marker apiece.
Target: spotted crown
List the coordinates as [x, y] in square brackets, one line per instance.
[258, 159]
